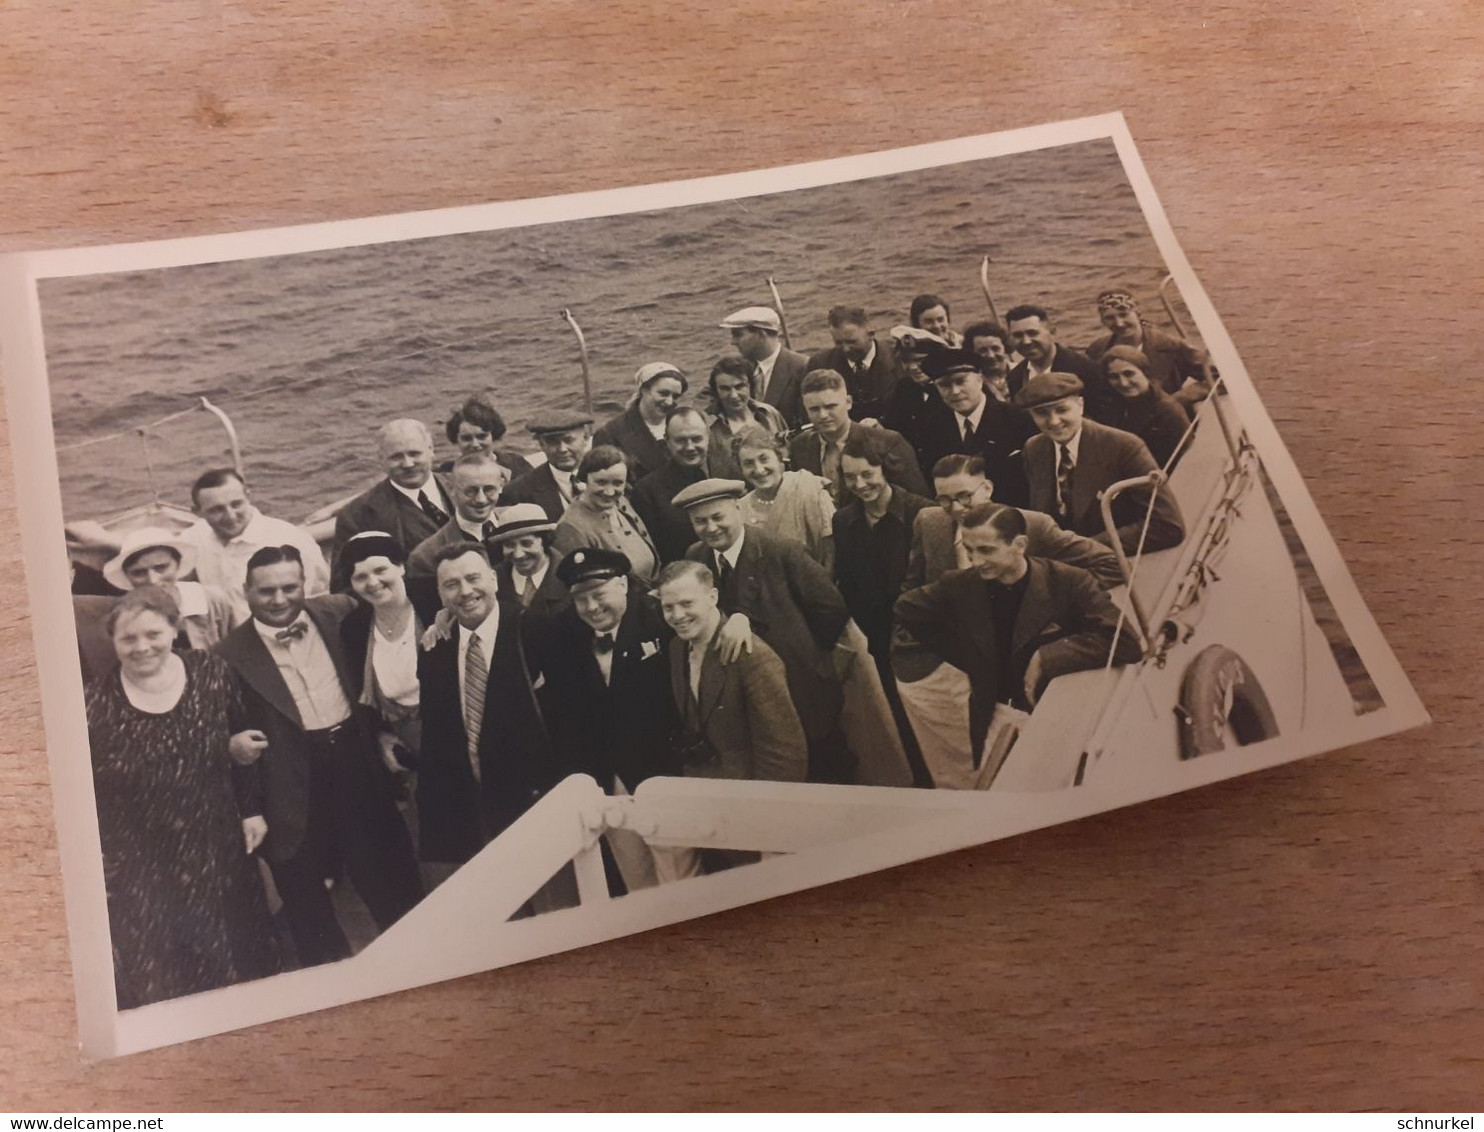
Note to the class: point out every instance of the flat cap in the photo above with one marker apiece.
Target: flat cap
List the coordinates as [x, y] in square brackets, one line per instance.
[521, 519]
[705, 491]
[759, 318]
[557, 422]
[592, 564]
[1046, 388]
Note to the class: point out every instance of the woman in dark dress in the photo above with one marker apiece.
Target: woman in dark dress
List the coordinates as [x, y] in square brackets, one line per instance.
[177, 823]
[1141, 406]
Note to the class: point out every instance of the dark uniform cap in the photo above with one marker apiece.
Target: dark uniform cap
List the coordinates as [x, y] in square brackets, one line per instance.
[942, 363]
[592, 564]
[706, 491]
[557, 422]
[1046, 388]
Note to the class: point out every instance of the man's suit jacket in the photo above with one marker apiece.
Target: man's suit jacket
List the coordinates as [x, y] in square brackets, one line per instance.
[1105, 456]
[900, 464]
[869, 392]
[422, 561]
[384, 508]
[871, 562]
[999, 440]
[933, 553]
[628, 432]
[743, 713]
[783, 391]
[793, 606]
[538, 486]
[917, 412]
[457, 815]
[368, 821]
[551, 596]
[1097, 397]
[1064, 615]
[669, 526]
[624, 728]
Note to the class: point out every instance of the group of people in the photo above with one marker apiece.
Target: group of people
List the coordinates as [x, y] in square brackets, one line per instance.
[862, 566]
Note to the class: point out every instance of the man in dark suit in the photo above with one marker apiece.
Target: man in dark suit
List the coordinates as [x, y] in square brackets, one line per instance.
[1012, 624]
[870, 371]
[772, 588]
[756, 336]
[605, 691]
[565, 439]
[687, 440]
[1073, 460]
[478, 479]
[486, 756]
[935, 695]
[818, 448]
[327, 796]
[913, 407]
[1033, 335]
[975, 424]
[527, 572]
[410, 504]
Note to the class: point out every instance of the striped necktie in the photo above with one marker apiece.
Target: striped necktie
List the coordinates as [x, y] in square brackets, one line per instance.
[1064, 469]
[476, 680]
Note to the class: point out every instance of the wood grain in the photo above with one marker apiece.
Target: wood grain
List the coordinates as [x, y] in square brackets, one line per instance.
[1308, 938]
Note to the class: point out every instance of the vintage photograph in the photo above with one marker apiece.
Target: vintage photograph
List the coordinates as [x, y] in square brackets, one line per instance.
[454, 589]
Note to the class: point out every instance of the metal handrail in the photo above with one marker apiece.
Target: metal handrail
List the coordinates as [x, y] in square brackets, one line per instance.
[1105, 501]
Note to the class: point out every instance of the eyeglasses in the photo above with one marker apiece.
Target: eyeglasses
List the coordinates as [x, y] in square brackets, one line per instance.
[963, 499]
[474, 492]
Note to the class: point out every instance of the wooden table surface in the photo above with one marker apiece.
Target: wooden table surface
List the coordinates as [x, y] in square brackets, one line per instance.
[1310, 937]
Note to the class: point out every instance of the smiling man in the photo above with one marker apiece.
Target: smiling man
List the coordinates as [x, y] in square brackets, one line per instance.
[231, 529]
[410, 504]
[486, 756]
[687, 444]
[327, 797]
[817, 449]
[565, 439]
[1074, 460]
[478, 481]
[1033, 335]
[977, 425]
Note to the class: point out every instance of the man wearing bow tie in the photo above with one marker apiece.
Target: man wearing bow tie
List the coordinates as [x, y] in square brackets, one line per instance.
[328, 797]
[606, 689]
[478, 480]
[411, 504]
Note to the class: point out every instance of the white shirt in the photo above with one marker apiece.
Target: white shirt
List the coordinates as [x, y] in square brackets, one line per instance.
[430, 486]
[394, 660]
[605, 657]
[473, 530]
[563, 482]
[225, 565]
[732, 553]
[865, 363]
[307, 669]
[973, 418]
[1073, 446]
[486, 634]
[765, 369]
[534, 580]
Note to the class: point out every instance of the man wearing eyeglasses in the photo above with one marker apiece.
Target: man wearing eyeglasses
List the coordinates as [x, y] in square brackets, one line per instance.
[478, 480]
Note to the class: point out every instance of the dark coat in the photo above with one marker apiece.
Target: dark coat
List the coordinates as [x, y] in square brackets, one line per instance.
[551, 595]
[933, 553]
[538, 487]
[628, 432]
[1097, 396]
[384, 508]
[95, 649]
[871, 562]
[1064, 615]
[900, 464]
[1104, 456]
[625, 727]
[999, 441]
[794, 606]
[1156, 418]
[783, 391]
[750, 729]
[372, 835]
[458, 816]
[917, 412]
[870, 391]
[421, 560]
[669, 526]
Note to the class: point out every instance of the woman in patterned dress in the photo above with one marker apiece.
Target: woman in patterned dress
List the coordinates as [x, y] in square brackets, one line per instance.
[793, 504]
[177, 823]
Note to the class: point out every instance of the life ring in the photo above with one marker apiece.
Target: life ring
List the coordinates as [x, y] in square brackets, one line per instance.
[1221, 694]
